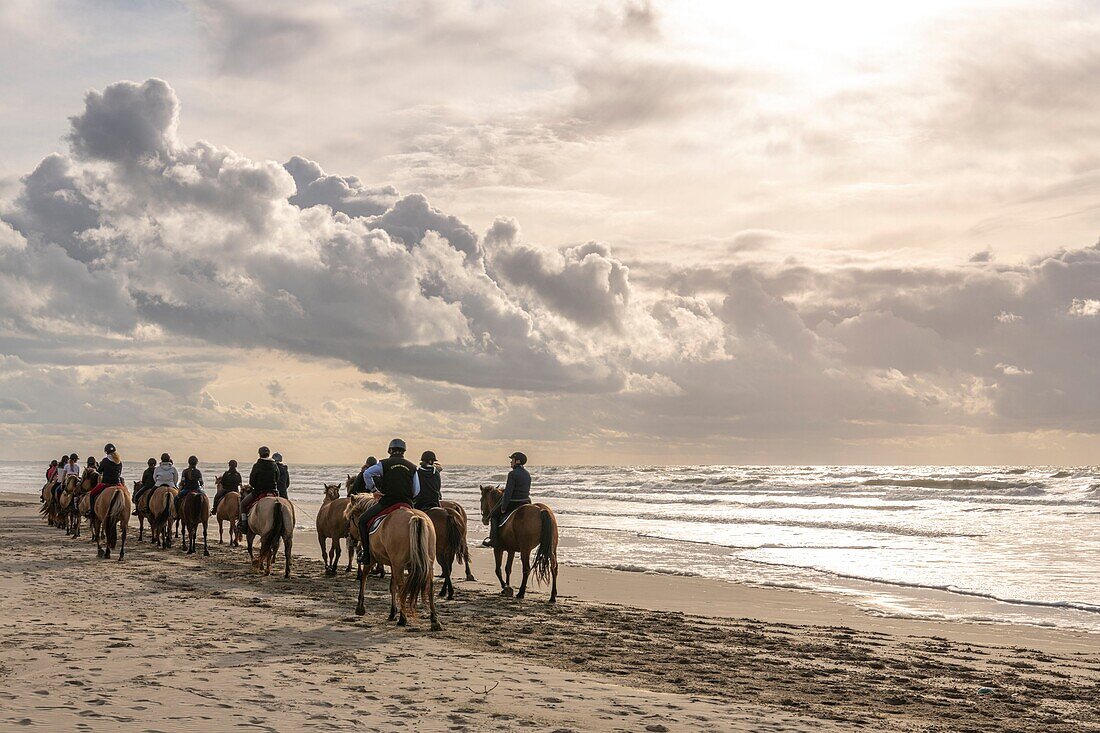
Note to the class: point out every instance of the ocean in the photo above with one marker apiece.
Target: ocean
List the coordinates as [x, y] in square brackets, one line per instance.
[978, 543]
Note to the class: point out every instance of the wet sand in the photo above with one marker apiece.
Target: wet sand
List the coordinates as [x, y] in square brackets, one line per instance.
[166, 641]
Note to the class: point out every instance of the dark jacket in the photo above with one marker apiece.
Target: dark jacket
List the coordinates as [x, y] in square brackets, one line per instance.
[110, 473]
[518, 488]
[147, 478]
[283, 481]
[264, 475]
[190, 480]
[231, 480]
[430, 488]
[397, 479]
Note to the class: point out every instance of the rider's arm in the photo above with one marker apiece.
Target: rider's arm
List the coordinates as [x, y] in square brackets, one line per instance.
[416, 484]
[509, 487]
[370, 474]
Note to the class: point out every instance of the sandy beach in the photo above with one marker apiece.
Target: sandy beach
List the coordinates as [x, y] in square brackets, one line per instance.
[166, 641]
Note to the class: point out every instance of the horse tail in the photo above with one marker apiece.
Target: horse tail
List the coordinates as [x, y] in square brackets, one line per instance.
[456, 544]
[547, 547]
[421, 564]
[109, 519]
[269, 545]
[162, 518]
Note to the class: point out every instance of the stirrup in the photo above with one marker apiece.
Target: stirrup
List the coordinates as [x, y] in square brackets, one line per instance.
[487, 542]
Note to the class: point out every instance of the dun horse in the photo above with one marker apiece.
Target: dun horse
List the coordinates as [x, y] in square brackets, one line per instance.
[528, 527]
[333, 525]
[450, 545]
[77, 503]
[405, 541]
[229, 510]
[272, 518]
[110, 514]
[194, 510]
[161, 502]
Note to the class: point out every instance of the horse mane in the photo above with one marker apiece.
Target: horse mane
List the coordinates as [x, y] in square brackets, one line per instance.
[357, 506]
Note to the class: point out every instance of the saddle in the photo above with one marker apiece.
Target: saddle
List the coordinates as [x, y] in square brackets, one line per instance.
[508, 516]
[377, 521]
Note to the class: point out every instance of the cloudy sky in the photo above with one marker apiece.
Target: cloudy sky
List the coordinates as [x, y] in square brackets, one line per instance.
[853, 232]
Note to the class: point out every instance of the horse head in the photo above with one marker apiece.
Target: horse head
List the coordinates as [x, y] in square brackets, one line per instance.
[332, 492]
[490, 498]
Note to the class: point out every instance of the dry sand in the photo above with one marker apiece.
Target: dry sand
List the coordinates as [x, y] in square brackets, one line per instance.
[165, 641]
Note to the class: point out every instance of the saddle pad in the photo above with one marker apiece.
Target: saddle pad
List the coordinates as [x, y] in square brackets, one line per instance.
[377, 521]
[508, 516]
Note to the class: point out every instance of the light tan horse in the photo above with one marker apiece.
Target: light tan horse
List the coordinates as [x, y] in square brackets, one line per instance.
[229, 510]
[405, 542]
[48, 509]
[333, 525]
[162, 501]
[530, 526]
[272, 518]
[194, 510]
[79, 504]
[111, 513]
[141, 508]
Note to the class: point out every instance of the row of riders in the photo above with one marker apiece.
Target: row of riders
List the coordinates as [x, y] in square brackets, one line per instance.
[396, 505]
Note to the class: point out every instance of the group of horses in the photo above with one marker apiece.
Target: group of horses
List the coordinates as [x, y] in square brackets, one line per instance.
[408, 541]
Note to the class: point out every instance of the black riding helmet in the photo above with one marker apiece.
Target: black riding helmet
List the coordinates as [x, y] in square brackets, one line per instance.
[232, 464]
[193, 461]
[75, 457]
[397, 445]
[165, 458]
[152, 462]
[109, 448]
[428, 457]
[522, 459]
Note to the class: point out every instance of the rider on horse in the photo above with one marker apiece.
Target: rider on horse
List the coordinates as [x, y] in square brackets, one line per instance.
[110, 474]
[166, 474]
[190, 481]
[148, 482]
[517, 492]
[70, 468]
[397, 483]
[230, 482]
[264, 480]
[430, 485]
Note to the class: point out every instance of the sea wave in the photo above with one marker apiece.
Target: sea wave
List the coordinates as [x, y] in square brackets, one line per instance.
[1014, 488]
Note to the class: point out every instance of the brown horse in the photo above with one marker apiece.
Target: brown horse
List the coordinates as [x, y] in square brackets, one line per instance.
[141, 508]
[111, 513]
[450, 545]
[333, 525]
[272, 518]
[162, 502]
[530, 526]
[229, 510]
[194, 510]
[405, 542]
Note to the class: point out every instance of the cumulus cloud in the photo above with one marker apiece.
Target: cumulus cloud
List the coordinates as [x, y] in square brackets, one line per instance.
[138, 244]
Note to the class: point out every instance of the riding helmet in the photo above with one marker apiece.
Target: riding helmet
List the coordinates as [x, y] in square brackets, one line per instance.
[522, 459]
[398, 445]
[165, 458]
[233, 463]
[152, 462]
[264, 451]
[371, 460]
[75, 457]
[427, 457]
[278, 457]
[109, 448]
[193, 461]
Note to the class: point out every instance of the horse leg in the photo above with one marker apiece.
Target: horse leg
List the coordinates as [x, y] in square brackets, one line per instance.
[205, 550]
[436, 626]
[469, 570]
[324, 550]
[123, 533]
[359, 608]
[397, 579]
[336, 550]
[508, 568]
[393, 596]
[141, 527]
[221, 532]
[499, 554]
[351, 553]
[525, 558]
[287, 542]
[251, 537]
[554, 577]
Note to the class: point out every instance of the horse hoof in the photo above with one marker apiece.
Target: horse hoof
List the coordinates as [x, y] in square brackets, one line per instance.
[552, 600]
[507, 592]
[359, 610]
[436, 626]
[402, 621]
[206, 553]
[519, 596]
[99, 553]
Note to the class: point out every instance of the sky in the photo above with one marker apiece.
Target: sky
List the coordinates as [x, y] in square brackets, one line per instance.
[598, 232]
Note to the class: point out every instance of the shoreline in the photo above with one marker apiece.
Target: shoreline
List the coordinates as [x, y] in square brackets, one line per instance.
[621, 651]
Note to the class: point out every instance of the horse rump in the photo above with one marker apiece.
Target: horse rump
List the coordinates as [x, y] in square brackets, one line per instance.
[109, 520]
[269, 543]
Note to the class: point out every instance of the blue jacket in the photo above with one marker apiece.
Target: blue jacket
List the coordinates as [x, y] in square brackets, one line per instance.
[518, 487]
